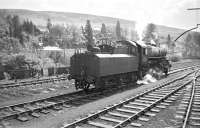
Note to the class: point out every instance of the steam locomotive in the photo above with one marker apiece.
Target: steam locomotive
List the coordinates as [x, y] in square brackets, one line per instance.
[108, 66]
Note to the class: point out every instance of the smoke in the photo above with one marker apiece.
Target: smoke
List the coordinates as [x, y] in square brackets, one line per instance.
[147, 79]
[141, 23]
[151, 76]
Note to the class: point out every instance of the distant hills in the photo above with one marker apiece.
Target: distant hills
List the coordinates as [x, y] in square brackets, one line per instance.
[40, 19]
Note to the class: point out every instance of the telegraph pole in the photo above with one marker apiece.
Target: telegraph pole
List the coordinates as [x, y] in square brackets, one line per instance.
[193, 9]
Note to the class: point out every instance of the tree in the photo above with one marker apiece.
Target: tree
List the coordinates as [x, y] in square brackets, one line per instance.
[17, 26]
[57, 31]
[4, 30]
[75, 35]
[192, 44]
[187, 44]
[56, 57]
[55, 35]
[49, 24]
[170, 43]
[196, 38]
[88, 34]
[16, 61]
[72, 36]
[118, 30]
[29, 27]
[10, 24]
[103, 29]
[150, 33]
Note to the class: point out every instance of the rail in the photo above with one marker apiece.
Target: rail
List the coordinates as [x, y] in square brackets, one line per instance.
[191, 101]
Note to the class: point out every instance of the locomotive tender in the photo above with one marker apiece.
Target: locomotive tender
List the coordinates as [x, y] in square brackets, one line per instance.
[125, 63]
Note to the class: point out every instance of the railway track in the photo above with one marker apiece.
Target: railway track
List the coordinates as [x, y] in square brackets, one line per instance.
[128, 112]
[182, 69]
[22, 111]
[188, 113]
[177, 65]
[32, 82]
[62, 78]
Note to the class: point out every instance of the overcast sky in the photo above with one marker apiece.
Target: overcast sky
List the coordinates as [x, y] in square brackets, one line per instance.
[164, 12]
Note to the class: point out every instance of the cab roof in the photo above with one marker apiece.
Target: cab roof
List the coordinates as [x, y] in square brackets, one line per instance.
[133, 43]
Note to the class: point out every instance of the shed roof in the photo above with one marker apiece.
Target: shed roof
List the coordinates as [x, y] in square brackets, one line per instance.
[52, 48]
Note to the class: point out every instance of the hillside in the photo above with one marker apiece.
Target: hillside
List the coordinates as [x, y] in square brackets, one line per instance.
[40, 18]
[174, 32]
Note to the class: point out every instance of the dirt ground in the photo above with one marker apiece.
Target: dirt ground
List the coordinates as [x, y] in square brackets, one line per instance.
[27, 93]
[55, 119]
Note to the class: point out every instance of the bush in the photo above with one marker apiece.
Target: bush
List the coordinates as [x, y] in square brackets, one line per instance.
[10, 45]
[17, 66]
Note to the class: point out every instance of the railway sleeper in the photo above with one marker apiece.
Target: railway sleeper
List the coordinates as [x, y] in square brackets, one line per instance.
[107, 122]
[195, 106]
[197, 99]
[153, 97]
[160, 106]
[29, 107]
[163, 103]
[156, 95]
[134, 107]
[144, 101]
[127, 111]
[150, 114]
[98, 124]
[196, 102]
[57, 108]
[145, 119]
[118, 114]
[179, 116]
[148, 99]
[35, 114]
[155, 110]
[195, 118]
[45, 111]
[182, 107]
[19, 109]
[181, 112]
[168, 101]
[110, 119]
[22, 118]
[184, 102]
[139, 103]
[195, 124]
[135, 124]
[196, 113]
[171, 98]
